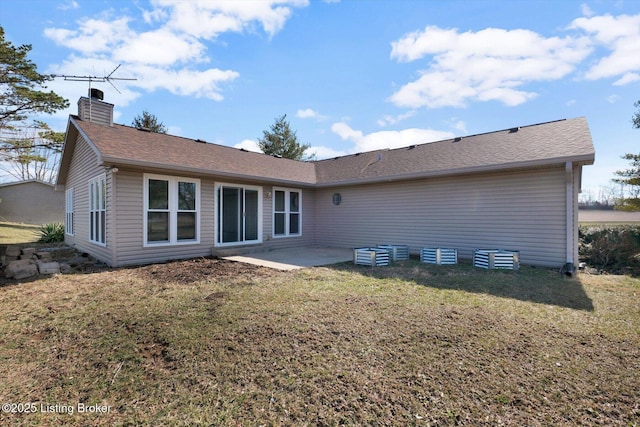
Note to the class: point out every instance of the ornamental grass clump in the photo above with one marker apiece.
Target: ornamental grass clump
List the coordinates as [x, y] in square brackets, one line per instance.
[52, 232]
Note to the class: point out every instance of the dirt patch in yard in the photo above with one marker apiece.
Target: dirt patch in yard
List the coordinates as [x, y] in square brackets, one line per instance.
[214, 342]
[202, 269]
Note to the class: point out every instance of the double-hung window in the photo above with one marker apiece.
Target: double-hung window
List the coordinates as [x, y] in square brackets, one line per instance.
[98, 210]
[172, 207]
[287, 212]
[68, 212]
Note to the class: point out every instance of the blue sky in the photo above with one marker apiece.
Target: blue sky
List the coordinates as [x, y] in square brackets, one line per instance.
[350, 75]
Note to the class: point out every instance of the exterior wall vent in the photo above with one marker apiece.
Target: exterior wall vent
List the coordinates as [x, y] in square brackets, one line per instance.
[496, 259]
[396, 252]
[440, 256]
[373, 257]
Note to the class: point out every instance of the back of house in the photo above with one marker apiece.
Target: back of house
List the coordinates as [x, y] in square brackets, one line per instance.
[136, 197]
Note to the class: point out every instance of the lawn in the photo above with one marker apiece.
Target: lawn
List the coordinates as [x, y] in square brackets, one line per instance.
[18, 233]
[212, 342]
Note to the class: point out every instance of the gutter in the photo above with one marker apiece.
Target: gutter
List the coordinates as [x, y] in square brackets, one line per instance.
[205, 172]
[586, 159]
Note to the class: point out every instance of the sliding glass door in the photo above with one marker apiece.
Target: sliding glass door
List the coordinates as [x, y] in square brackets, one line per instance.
[238, 214]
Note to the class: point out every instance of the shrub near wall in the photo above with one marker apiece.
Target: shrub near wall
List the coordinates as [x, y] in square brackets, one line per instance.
[612, 249]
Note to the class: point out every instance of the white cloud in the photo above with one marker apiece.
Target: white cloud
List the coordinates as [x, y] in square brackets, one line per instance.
[612, 99]
[308, 113]
[458, 125]
[93, 35]
[586, 10]
[249, 145]
[184, 81]
[619, 34]
[491, 64]
[321, 152]
[392, 120]
[159, 47]
[387, 139]
[627, 78]
[171, 55]
[209, 18]
[68, 5]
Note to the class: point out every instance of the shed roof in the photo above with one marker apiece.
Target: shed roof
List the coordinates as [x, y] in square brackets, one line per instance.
[526, 146]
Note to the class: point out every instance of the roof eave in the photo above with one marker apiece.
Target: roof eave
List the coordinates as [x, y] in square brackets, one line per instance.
[586, 159]
[203, 172]
[73, 130]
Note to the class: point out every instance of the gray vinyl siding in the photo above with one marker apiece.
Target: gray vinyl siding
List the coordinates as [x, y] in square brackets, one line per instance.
[522, 211]
[129, 211]
[95, 111]
[308, 225]
[31, 203]
[130, 224]
[84, 167]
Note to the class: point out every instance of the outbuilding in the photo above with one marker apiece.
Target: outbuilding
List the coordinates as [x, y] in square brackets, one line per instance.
[31, 202]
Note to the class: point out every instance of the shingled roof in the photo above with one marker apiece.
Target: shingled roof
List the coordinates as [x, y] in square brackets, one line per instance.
[125, 145]
[527, 146]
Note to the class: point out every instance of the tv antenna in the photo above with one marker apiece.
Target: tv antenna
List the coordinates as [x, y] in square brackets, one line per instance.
[108, 78]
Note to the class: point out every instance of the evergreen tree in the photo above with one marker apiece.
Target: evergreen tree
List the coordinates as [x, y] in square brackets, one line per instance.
[20, 84]
[148, 121]
[280, 140]
[27, 151]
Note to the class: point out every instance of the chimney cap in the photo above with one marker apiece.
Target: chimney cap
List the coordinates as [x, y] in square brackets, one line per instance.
[96, 93]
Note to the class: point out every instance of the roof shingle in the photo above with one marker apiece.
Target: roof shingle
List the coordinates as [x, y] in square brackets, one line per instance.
[534, 145]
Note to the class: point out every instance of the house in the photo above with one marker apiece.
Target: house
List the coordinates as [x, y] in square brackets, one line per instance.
[31, 202]
[135, 197]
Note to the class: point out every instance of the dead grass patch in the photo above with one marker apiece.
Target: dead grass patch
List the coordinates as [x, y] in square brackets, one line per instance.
[233, 344]
[18, 233]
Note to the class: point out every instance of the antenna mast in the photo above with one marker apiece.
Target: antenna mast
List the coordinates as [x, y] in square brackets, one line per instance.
[108, 78]
[90, 79]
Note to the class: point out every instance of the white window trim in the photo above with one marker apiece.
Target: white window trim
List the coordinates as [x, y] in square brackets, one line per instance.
[69, 212]
[173, 210]
[287, 212]
[216, 219]
[102, 190]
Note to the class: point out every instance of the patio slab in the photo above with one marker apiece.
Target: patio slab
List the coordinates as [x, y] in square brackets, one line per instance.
[295, 258]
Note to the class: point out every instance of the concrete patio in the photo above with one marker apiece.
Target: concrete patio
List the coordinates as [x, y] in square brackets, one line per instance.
[296, 258]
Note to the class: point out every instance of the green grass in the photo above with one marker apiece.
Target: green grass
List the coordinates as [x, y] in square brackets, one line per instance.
[18, 233]
[209, 342]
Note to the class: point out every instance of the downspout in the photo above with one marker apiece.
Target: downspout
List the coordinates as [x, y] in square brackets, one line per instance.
[569, 266]
[111, 225]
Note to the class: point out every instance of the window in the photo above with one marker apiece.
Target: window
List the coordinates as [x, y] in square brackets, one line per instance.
[287, 212]
[238, 214]
[171, 210]
[98, 210]
[68, 212]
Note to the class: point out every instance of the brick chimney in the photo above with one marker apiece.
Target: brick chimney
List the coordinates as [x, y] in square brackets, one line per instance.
[94, 109]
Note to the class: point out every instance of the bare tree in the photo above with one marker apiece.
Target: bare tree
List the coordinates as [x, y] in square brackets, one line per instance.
[31, 152]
